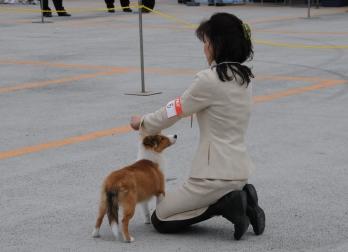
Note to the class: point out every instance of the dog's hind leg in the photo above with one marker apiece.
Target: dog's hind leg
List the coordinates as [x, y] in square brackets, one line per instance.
[101, 214]
[128, 212]
[145, 206]
[112, 212]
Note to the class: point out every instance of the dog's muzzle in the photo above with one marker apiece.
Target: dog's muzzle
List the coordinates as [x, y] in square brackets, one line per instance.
[172, 138]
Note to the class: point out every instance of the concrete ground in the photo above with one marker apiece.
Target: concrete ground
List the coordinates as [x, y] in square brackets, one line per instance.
[64, 120]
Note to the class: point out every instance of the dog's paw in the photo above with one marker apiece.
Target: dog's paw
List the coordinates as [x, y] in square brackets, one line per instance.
[147, 219]
[95, 233]
[130, 240]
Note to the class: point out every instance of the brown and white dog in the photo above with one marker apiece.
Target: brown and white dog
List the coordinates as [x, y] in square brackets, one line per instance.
[133, 184]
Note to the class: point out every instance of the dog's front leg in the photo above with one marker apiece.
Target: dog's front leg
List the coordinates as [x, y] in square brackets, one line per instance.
[145, 206]
[159, 198]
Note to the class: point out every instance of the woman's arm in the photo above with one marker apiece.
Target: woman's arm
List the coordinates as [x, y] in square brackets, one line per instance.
[196, 98]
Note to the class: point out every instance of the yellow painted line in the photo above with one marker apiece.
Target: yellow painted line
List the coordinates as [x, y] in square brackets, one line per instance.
[119, 70]
[165, 71]
[290, 78]
[270, 20]
[299, 32]
[62, 65]
[314, 13]
[116, 70]
[158, 70]
[109, 23]
[297, 91]
[96, 67]
[288, 45]
[126, 128]
[64, 142]
[65, 80]
[171, 72]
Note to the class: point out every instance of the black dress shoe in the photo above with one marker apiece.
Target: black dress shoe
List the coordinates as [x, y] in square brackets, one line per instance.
[111, 8]
[150, 4]
[254, 211]
[233, 206]
[63, 13]
[47, 13]
[143, 10]
[127, 9]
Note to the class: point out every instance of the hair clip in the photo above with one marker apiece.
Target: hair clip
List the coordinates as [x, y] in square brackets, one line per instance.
[247, 31]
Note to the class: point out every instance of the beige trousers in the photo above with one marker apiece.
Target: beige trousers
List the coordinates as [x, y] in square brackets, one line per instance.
[194, 197]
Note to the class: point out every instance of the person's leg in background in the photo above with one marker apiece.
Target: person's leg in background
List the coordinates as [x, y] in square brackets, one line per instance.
[216, 3]
[125, 5]
[219, 3]
[110, 5]
[46, 9]
[58, 4]
[149, 4]
[211, 2]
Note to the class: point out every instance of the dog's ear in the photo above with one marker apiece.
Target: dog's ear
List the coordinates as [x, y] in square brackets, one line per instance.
[151, 141]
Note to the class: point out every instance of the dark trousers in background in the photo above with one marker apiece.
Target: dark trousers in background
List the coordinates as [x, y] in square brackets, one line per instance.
[215, 1]
[124, 3]
[149, 3]
[58, 4]
[110, 3]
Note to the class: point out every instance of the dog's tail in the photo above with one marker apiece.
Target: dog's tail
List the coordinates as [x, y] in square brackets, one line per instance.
[112, 206]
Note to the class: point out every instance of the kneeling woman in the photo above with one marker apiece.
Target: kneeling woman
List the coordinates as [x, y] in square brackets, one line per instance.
[221, 98]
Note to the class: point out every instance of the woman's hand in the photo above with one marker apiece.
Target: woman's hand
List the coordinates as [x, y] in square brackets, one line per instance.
[135, 122]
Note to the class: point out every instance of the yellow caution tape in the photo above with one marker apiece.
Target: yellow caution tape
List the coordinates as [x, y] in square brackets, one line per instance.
[173, 18]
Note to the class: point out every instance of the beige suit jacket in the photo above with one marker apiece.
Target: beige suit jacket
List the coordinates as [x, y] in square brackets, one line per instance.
[223, 111]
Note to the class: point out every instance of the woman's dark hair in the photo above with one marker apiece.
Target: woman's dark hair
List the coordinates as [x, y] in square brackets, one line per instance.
[231, 42]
